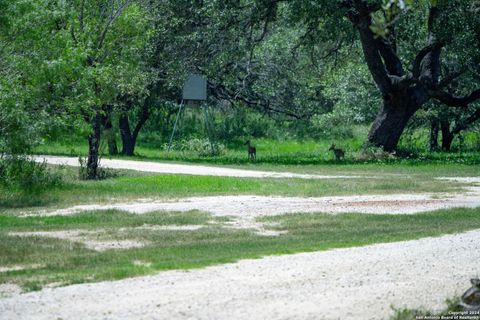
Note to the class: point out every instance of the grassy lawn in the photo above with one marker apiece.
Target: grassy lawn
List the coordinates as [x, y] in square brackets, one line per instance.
[64, 262]
[296, 155]
[130, 185]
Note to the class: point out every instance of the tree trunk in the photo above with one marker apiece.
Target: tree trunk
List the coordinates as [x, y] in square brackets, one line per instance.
[391, 120]
[447, 135]
[128, 141]
[93, 147]
[129, 138]
[112, 143]
[434, 127]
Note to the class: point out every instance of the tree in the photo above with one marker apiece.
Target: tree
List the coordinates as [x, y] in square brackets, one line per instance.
[249, 53]
[389, 33]
[450, 123]
[110, 37]
[31, 76]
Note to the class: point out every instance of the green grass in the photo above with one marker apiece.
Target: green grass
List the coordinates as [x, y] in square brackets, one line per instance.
[272, 152]
[68, 262]
[451, 310]
[130, 185]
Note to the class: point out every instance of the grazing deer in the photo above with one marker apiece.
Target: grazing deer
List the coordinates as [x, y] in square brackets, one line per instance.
[339, 153]
[252, 151]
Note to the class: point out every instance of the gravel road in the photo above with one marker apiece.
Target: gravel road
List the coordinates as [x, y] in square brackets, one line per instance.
[198, 170]
[353, 283]
[244, 209]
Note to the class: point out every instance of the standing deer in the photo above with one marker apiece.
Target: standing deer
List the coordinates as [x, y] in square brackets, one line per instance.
[252, 151]
[339, 153]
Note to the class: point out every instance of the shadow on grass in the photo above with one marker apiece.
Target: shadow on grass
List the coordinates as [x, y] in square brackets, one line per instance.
[15, 199]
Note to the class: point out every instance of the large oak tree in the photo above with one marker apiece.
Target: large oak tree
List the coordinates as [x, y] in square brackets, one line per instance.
[404, 44]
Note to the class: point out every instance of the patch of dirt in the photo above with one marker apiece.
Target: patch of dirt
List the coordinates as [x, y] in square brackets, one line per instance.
[91, 239]
[382, 206]
[244, 209]
[20, 267]
[351, 283]
[171, 227]
[141, 263]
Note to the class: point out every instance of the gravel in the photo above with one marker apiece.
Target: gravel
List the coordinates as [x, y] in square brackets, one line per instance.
[352, 283]
[92, 239]
[244, 209]
[172, 168]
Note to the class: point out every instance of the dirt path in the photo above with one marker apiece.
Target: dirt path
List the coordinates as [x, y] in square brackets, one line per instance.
[199, 170]
[353, 283]
[244, 209]
[257, 206]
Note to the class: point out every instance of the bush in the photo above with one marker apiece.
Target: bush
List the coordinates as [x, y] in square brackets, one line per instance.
[26, 175]
[102, 173]
[368, 153]
[331, 126]
[201, 147]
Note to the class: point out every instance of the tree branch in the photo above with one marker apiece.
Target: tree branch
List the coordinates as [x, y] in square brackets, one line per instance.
[390, 57]
[113, 17]
[450, 77]
[467, 122]
[453, 101]
[262, 104]
[80, 17]
[362, 21]
[416, 64]
[143, 118]
[428, 71]
[74, 38]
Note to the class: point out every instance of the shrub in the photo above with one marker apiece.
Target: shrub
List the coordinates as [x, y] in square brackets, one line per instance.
[201, 147]
[102, 173]
[369, 152]
[331, 126]
[24, 174]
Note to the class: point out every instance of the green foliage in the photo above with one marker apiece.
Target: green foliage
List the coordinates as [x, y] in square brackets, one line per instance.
[71, 262]
[200, 147]
[369, 153]
[25, 175]
[277, 70]
[102, 173]
[410, 314]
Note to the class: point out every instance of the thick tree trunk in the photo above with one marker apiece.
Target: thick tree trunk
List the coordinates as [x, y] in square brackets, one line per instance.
[391, 120]
[93, 147]
[129, 138]
[447, 135]
[434, 128]
[128, 141]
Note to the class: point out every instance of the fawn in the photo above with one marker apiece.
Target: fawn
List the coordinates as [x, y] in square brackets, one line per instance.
[252, 151]
[339, 153]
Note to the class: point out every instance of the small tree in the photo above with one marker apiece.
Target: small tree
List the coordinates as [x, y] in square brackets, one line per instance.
[110, 38]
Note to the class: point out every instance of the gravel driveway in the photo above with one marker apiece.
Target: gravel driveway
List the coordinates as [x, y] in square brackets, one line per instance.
[173, 168]
[353, 283]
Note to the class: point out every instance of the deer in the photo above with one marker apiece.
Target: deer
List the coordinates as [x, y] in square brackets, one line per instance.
[339, 153]
[252, 151]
